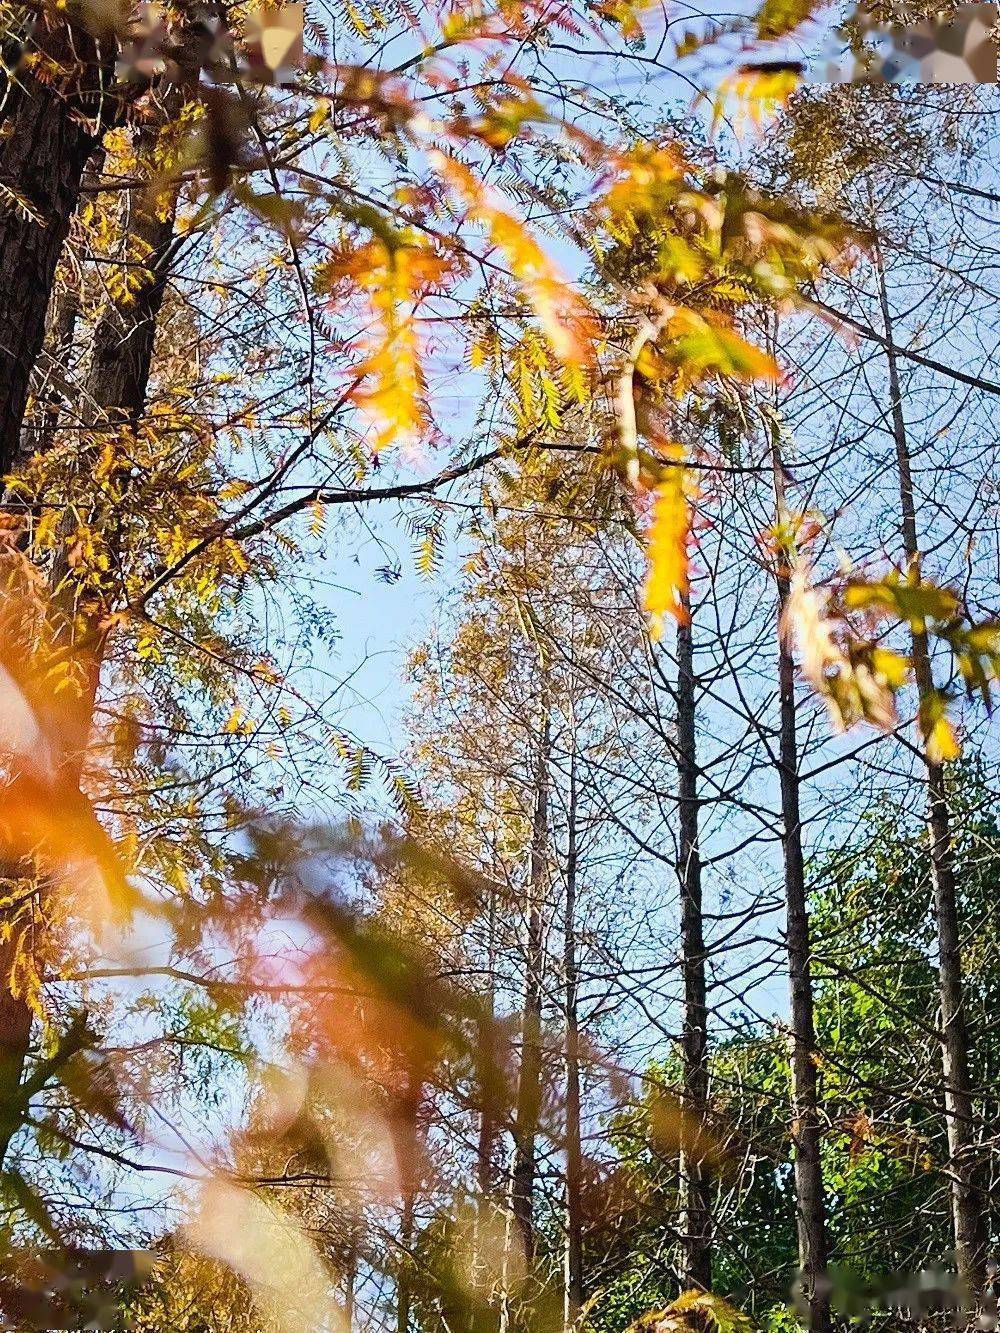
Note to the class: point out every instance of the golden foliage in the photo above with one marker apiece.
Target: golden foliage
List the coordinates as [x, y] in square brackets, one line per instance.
[395, 277]
[940, 741]
[694, 1312]
[667, 578]
[564, 316]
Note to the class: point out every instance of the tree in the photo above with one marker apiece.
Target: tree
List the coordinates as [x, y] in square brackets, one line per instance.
[696, 1172]
[809, 1193]
[52, 116]
[968, 1205]
[874, 173]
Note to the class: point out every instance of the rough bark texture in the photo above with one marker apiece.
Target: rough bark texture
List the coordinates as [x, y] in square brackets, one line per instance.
[47, 133]
[810, 1203]
[574, 1153]
[38, 432]
[696, 1174]
[529, 1084]
[968, 1203]
[44, 148]
[122, 353]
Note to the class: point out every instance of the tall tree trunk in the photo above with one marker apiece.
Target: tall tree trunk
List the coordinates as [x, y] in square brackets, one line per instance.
[403, 1275]
[810, 1202]
[114, 396]
[574, 1156]
[696, 1174]
[47, 133]
[488, 1091]
[350, 1281]
[118, 378]
[968, 1203]
[529, 1085]
[38, 433]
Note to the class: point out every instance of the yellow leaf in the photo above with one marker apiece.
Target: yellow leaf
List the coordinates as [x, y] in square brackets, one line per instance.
[892, 667]
[565, 317]
[667, 578]
[394, 278]
[699, 347]
[940, 741]
[856, 680]
[758, 92]
[234, 722]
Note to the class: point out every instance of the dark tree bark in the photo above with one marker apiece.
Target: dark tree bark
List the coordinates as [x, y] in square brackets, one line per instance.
[47, 386]
[696, 1174]
[968, 1203]
[810, 1202]
[529, 1085]
[47, 133]
[122, 352]
[574, 1153]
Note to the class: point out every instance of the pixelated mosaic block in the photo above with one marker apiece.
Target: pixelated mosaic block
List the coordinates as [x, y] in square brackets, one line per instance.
[959, 47]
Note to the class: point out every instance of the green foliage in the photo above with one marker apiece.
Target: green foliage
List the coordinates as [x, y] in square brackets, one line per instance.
[883, 1140]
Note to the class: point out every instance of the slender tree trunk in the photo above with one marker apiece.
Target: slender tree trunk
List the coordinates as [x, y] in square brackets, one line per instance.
[529, 1086]
[350, 1282]
[47, 133]
[574, 1156]
[809, 1196]
[403, 1276]
[968, 1203]
[488, 1092]
[696, 1174]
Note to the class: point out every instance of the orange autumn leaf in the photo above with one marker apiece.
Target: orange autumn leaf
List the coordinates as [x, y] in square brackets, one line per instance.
[566, 319]
[667, 577]
[55, 823]
[44, 816]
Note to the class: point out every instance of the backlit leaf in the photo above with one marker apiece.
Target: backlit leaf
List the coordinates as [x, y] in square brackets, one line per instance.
[667, 578]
